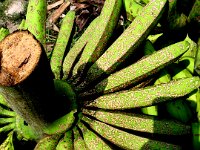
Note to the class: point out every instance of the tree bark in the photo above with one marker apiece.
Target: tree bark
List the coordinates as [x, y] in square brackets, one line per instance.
[26, 80]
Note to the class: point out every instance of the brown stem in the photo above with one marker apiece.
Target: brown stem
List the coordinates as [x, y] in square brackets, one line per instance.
[27, 81]
[56, 14]
[51, 6]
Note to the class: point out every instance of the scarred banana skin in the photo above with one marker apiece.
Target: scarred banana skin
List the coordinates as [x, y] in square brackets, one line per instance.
[72, 56]
[66, 143]
[137, 31]
[61, 43]
[139, 70]
[92, 140]
[36, 19]
[146, 123]
[147, 96]
[96, 45]
[124, 139]
[8, 143]
[48, 143]
[79, 142]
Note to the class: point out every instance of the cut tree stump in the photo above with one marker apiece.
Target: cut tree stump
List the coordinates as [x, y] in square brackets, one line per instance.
[26, 80]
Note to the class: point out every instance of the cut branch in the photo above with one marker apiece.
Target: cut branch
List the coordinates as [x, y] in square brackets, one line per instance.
[27, 81]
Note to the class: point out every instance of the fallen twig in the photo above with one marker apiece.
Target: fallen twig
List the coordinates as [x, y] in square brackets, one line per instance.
[56, 14]
[51, 6]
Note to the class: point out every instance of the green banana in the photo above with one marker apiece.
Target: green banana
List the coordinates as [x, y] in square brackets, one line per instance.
[137, 32]
[148, 48]
[139, 70]
[8, 143]
[25, 130]
[65, 122]
[36, 19]
[197, 58]
[96, 45]
[164, 77]
[3, 33]
[7, 128]
[66, 143]
[153, 38]
[132, 9]
[192, 98]
[196, 135]
[179, 109]
[150, 110]
[62, 124]
[7, 120]
[178, 72]
[138, 122]
[77, 49]
[3, 101]
[198, 105]
[61, 43]
[193, 21]
[181, 69]
[193, 48]
[184, 68]
[188, 63]
[92, 140]
[124, 139]
[22, 25]
[176, 20]
[147, 96]
[48, 142]
[6, 112]
[79, 142]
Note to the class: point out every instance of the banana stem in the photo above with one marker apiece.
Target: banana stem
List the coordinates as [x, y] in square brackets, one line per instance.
[26, 81]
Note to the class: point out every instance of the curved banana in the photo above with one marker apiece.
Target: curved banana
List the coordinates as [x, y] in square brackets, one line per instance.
[92, 140]
[66, 143]
[164, 77]
[79, 142]
[96, 46]
[61, 44]
[134, 73]
[6, 112]
[48, 142]
[180, 108]
[124, 139]
[132, 9]
[137, 32]
[147, 96]
[146, 123]
[36, 19]
[8, 143]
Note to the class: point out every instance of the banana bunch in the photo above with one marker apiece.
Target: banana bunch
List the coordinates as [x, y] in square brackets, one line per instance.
[113, 104]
